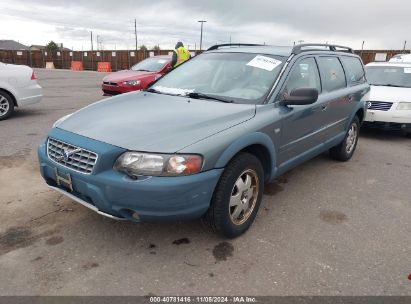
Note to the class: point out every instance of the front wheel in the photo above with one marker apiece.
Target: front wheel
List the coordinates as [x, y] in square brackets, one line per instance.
[237, 196]
[345, 150]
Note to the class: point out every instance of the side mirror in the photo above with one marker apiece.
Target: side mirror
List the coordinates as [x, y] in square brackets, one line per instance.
[303, 96]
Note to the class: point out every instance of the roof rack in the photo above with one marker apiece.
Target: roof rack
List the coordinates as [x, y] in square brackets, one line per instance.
[306, 47]
[217, 46]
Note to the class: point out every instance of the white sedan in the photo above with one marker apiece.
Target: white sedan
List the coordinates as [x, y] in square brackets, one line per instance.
[390, 96]
[18, 87]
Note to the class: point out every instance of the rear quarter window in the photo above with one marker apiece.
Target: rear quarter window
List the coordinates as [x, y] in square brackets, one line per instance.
[332, 74]
[354, 70]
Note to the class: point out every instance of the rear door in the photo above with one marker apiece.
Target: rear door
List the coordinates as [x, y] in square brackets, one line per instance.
[356, 82]
[336, 96]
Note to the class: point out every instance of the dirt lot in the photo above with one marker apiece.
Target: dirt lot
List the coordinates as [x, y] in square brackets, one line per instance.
[325, 228]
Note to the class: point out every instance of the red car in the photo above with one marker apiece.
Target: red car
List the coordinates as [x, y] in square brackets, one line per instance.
[139, 77]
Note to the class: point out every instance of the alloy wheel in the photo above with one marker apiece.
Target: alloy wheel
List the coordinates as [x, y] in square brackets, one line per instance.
[351, 138]
[244, 196]
[4, 105]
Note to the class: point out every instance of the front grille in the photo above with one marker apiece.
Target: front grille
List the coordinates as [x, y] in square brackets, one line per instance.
[109, 92]
[379, 105]
[110, 83]
[72, 157]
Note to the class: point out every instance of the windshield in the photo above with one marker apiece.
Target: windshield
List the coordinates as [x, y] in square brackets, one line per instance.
[389, 76]
[235, 77]
[150, 65]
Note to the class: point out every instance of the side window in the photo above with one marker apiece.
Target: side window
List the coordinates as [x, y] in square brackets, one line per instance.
[304, 74]
[332, 74]
[354, 70]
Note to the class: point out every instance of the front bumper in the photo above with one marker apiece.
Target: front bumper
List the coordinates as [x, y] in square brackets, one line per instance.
[112, 90]
[394, 116]
[113, 194]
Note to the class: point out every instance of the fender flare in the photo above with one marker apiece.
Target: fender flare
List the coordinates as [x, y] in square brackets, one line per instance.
[360, 107]
[256, 138]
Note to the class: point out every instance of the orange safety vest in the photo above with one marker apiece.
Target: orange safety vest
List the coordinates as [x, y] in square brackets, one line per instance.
[182, 55]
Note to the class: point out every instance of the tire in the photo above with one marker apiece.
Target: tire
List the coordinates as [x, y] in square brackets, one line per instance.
[345, 150]
[6, 105]
[237, 197]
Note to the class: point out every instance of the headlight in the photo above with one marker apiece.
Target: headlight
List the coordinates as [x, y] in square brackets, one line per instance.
[136, 163]
[60, 120]
[404, 106]
[132, 83]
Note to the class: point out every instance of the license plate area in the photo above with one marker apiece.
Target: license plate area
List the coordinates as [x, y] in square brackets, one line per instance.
[370, 116]
[64, 180]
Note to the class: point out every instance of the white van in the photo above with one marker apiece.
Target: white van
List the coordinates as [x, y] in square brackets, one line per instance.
[390, 95]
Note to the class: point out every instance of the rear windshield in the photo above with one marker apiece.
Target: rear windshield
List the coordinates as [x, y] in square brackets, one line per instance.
[389, 76]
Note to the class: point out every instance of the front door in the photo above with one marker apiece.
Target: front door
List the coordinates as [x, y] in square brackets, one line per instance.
[301, 124]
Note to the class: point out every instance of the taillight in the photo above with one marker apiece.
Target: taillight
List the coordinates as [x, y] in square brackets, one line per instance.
[33, 76]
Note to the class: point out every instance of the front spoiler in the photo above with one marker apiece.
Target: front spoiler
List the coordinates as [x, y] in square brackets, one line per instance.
[86, 204]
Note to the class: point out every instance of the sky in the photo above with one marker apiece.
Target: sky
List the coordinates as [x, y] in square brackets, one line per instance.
[381, 24]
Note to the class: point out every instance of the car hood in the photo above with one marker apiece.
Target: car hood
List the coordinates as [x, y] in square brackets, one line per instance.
[390, 94]
[155, 123]
[127, 75]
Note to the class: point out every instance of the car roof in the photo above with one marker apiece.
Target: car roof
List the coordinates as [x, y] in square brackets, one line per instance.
[393, 64]
[160, 56]
[263, 49]
[323, 49]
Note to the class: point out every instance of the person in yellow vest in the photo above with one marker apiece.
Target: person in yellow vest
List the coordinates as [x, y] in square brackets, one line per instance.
[180, 55]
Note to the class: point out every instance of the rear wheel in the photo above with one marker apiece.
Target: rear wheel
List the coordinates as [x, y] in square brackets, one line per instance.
[6, 105]
[345, 150]
[237, 196]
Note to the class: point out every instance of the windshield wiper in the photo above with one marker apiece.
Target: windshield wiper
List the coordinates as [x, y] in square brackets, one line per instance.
[196, 95]
[142, 70]
[388, 85]
[151, 90]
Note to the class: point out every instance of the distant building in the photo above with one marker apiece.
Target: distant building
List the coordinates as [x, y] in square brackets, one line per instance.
[37, 47]
[12, 45]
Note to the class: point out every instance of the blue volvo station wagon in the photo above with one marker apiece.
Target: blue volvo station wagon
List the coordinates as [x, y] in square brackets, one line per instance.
[202, 141]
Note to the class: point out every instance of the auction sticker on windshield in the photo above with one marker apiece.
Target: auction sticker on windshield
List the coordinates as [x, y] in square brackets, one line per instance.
[265, 63]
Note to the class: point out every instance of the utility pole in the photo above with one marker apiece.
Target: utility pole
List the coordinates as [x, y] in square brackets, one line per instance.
[91, 55]
[201, 35]
[405, 44]
[135, 32]
[91, 38]
[362, 48]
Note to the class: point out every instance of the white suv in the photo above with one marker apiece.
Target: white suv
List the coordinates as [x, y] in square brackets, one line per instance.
[390, 95]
